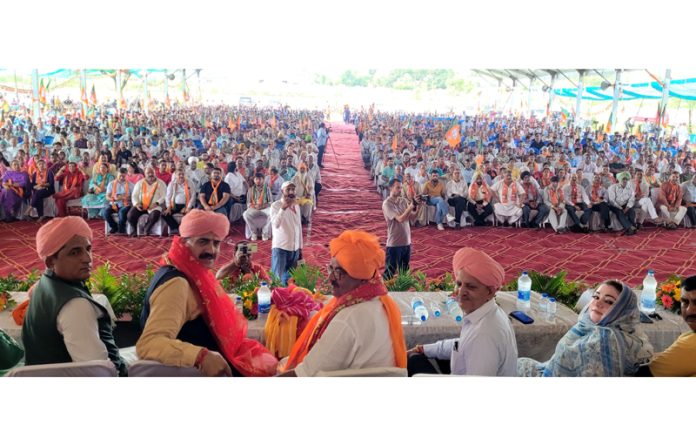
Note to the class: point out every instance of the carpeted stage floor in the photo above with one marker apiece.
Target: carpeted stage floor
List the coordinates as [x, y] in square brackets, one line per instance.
[349, 200]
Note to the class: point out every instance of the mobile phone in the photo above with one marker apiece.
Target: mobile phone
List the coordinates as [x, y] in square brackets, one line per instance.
[521, 317]
[247, 248]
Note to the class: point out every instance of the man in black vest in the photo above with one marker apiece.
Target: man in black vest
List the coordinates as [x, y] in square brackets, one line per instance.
[187, 319]
[63, 322]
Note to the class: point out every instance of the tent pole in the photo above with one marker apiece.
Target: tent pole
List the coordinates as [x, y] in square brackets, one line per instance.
[35, 102]
[615, 99]
[552, 95]
[581, 91]
[665, 98]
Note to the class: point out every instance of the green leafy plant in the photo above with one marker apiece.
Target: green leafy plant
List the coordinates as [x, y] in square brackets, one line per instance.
[308, 276]
[103, 282]
[443, 283]
[564, 291]
[407, 280]
[132, 291]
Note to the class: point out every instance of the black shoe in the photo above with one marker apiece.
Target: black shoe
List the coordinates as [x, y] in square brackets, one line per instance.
[524, 225]
[113, 231]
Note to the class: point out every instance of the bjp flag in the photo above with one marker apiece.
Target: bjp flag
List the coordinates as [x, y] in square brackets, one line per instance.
[454, 136]
[394, 143]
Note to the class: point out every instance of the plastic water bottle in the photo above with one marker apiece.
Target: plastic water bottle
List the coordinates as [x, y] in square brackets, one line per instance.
[435, 308]
[419, 308]
[543, 303]
[264, 298]
[524, 292]
[648, 297]
[551, 308]
[454, 310]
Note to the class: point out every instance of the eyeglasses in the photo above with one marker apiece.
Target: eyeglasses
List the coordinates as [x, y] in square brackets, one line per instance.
[331, 269]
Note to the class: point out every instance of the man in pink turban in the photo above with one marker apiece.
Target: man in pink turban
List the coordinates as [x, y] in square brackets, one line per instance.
[486, 345]
[187, 318]
[63, 323]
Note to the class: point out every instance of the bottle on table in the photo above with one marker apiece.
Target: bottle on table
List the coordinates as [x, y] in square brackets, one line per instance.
[264, 298]
[648, 297]
[454, 310]
[543, 303]
[419, 309]
[435, 309]
[551, 308]
[524, 292]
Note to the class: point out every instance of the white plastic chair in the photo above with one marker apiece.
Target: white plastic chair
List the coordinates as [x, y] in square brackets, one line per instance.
[151, 368]
[93, 368]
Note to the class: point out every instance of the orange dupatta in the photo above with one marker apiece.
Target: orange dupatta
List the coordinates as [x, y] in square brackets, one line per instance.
[125, 196]
[473, 191]
[504, 198]
[213, 200]
[555, 197]
[317, 325]
[147, 197]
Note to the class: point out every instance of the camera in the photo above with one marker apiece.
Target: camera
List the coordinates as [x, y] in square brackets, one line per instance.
[247, 248]
[423, 198]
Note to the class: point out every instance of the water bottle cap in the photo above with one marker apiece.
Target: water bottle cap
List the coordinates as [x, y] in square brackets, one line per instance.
[458, 318]
[437, 313]
[552, 300]
[423, 318]
[524, 272]
[263, 283]
[544, 295]
[651, 272]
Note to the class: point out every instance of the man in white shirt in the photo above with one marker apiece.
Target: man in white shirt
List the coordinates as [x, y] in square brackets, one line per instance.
[689, 188]
[456, 193]
[148, 198]
[509, 207]
[576, 200]
[486, 345]
[181, 198]
[361, 326]
[621, 201]
[286, 221]
[314, 171]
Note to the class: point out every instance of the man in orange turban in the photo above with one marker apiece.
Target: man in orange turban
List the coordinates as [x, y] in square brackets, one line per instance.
[63, 323]
[188, 320]
[486, 345]
[361, 326]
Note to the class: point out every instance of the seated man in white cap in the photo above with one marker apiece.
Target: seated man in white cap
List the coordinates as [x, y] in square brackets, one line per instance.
[486, 345]
[186, 326]
[258, 213]
[361, 326]
[63, 323]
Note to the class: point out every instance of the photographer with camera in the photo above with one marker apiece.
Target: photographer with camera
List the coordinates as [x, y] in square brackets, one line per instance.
[242, 264]
[399, 213]
[322, 136]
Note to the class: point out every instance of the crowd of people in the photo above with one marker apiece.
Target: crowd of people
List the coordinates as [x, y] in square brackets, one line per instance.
[212, 166]
[142, 172]
[493, 169]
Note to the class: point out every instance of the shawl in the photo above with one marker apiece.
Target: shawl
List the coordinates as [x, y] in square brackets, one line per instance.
[614, 347]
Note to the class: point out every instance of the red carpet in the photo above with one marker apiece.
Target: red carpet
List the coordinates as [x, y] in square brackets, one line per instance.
[349, 200]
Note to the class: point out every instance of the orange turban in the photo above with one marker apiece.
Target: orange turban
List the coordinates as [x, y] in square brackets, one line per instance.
[479, 265]
[52, 236]
[359, 253]
[199, 222]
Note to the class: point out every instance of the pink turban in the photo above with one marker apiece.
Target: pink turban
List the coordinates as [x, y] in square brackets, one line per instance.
[479, 265]
[199, 222]
[52, 236]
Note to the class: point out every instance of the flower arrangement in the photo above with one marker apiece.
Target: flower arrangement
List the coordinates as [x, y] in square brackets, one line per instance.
[6, 301]
[669, 293]
[246, 287]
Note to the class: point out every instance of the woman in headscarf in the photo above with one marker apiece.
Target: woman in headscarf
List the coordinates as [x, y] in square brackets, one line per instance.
[95, 200]
[15, 187]
[605, 342]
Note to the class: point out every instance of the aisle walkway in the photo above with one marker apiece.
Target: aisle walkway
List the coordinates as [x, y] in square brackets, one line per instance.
[349, 200]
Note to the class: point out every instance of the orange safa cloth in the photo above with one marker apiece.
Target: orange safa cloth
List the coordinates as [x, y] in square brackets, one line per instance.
[479, 265]
[199, 222]
[359, 253]
[52, 236]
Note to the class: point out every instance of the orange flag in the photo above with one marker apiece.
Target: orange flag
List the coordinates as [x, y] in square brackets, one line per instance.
[394, 143]
[454, 136]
